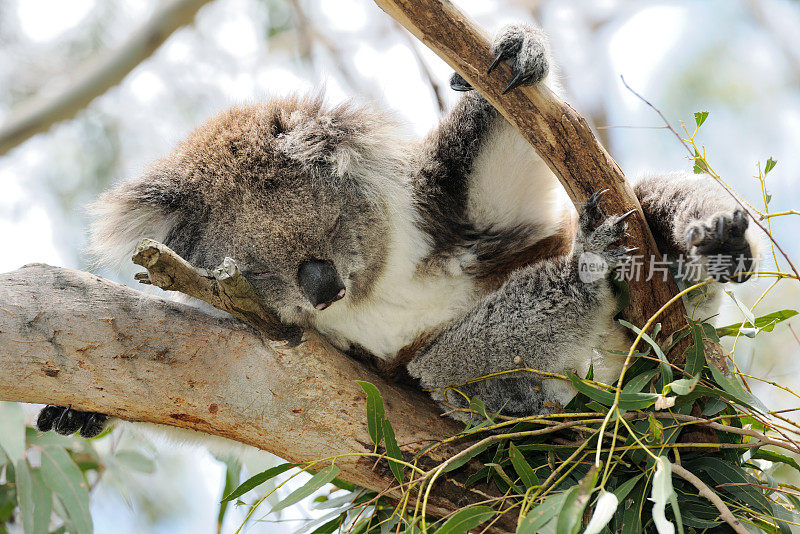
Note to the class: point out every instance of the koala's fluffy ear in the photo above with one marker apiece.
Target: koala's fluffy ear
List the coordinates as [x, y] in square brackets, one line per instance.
[146, 207]
[349, 139]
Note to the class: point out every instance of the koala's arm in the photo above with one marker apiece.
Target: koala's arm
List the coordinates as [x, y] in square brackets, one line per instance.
[531, 322]
[692, 217]
[476, 174]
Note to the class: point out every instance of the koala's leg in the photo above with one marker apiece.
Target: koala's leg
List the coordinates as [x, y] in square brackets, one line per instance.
[547, 316]
[67, 421]
[702, 232]
[693, 217]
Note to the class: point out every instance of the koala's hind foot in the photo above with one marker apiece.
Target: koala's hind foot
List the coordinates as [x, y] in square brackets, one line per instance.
[721, 239]
[598, 232]
[528, 51]
[67, 421]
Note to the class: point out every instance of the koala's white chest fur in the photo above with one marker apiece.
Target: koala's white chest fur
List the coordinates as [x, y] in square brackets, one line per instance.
[403, 305]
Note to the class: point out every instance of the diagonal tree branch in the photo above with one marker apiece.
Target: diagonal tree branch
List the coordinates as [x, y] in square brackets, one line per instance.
[69, 337]
[40, 113]
[561, 137]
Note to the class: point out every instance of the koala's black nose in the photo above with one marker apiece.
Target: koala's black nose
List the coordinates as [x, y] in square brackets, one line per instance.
[320, 283]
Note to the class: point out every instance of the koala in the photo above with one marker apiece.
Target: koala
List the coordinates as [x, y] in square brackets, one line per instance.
[454, 256]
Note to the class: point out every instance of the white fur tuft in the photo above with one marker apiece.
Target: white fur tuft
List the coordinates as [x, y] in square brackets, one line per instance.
[119, 223]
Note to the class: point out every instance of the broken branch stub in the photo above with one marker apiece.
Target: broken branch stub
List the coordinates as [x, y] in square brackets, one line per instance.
[224, 288]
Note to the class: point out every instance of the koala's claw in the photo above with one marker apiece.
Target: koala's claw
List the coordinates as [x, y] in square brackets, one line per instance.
[628, 214]
[458, 83]
[67, 421]
[592, 214]
[722, 239]
[516, 81]
[503, 54]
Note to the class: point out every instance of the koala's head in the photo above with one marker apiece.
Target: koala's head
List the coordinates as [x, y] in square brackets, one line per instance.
[297, 193]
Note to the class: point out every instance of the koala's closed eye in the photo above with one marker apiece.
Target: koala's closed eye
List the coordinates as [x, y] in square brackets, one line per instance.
[264, 275]
[337, 226]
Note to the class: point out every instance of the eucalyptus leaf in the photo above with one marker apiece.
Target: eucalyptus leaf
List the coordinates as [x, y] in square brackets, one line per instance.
[695, 355]
[467, 457]
[375, 411]
[393, 451]
[700, 117]
[257, 480]
[769, 165]
[12, 431]
[568, 520]
[525, 472]
[477, 405]
[638, 382]
[684, 386]
[723, 472]
[627, 401]
[317, 481]
[625, 488]
[64, 478]
[542, 514]
[465, 519]
[666, 369]
[765, 323]
[762, 454]
[27, 504]
[330, 527]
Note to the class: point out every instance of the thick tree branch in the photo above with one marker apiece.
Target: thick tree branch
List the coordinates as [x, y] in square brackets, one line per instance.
[560, 136]
[69, 337]
[42, 112]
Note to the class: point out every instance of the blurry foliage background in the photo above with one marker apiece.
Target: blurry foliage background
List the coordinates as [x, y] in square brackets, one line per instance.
[737, 59]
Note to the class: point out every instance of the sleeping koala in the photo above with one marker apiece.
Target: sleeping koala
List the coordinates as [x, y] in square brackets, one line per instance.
[454, 255]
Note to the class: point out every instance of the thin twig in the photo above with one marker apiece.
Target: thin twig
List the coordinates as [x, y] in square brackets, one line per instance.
[423, 68]
[724, 512]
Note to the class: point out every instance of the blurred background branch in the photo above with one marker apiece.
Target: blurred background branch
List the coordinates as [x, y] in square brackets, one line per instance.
[43, 111]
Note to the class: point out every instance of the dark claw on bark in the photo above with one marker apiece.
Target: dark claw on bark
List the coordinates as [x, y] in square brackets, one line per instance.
[516, 81]
[458, 83]
[595, 198]
[627, 214]
[500, 57]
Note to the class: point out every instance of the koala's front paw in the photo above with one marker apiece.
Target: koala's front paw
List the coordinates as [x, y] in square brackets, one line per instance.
[528, 51]
[598, 232]
[67, 421]
[721, 239]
